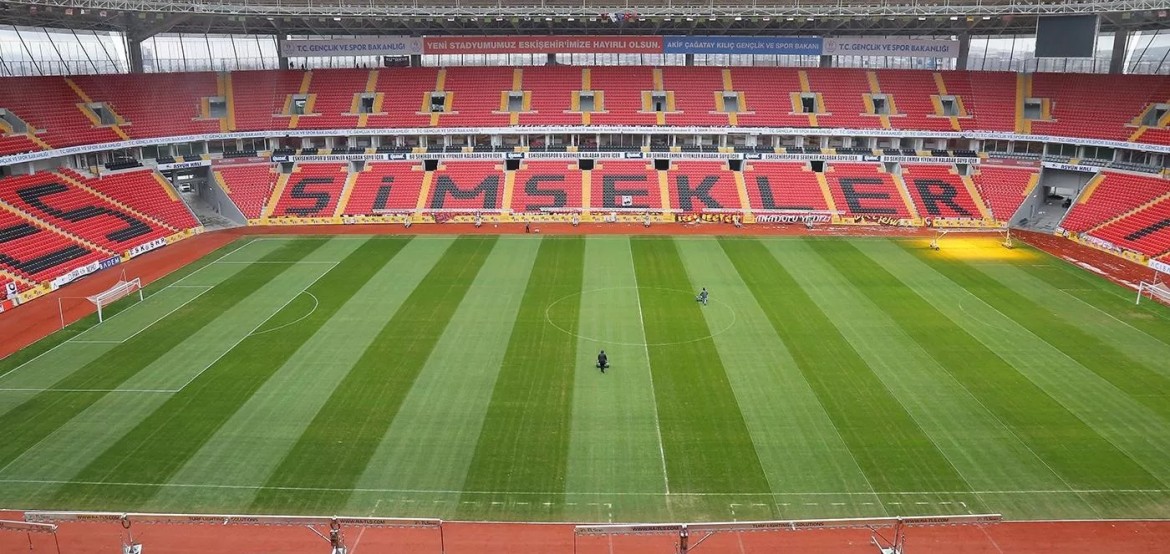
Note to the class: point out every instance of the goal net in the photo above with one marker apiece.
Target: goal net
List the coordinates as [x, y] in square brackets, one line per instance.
[120, 290]
[1157, 290]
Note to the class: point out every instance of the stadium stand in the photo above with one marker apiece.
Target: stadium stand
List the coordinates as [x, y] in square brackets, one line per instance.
[625, 91]
[625, 185]
[407, 97]
[312, 190]
[866, 190]
[695, 90]
[55, 112]
[1147, 230]
[552, 90]
[144, 193]
[332, 99]
[844, 93]
[1004, 187]
[765, 108]
[781, 186]
[155, 105]
[248, 185]
[703, 186]
[83, 215]
[477, 94]
[1111, 195]
[938, 191]
[546, 186]
[386, 187]
[467, 186]
[33, 252]
[70, 111]
[1077, 109]
[262, 99]
[916, 96]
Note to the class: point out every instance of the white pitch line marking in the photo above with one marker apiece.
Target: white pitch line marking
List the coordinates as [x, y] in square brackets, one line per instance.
[653, 394]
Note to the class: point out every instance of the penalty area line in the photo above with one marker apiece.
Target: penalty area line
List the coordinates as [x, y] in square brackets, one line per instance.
[106, 324]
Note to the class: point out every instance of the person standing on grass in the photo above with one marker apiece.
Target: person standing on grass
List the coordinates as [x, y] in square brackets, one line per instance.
[602, 361]
[702, 296]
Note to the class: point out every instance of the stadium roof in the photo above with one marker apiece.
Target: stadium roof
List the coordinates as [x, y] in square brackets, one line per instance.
[427, 17]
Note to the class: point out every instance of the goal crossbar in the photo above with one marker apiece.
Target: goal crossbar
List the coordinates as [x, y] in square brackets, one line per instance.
[120, 290]
[1156, 289]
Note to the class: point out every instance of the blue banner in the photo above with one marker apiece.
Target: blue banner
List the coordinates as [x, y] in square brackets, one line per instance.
[799, 46]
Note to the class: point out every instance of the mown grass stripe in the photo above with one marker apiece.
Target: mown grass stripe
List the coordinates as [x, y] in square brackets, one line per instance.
[1031, 457]
[1135, 379]
[155, 449]
[799, 448]
[1130, 427]
[614, 443]
[707, 444]
[89, 434]
[1150, 317]
[1114, 327]
[41, 347]
[431, 443]
[32, 421]
[240, 454]
[889, 447]
[524, 443]
[338, 444]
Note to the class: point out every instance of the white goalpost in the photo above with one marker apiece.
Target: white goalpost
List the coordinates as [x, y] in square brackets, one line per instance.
[1156, 289]
[120, 290]
[123, 288]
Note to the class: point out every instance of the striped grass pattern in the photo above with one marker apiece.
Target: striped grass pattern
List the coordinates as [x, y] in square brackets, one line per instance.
[455, 377]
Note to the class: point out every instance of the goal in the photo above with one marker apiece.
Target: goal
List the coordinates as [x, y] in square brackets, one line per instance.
[120, 290]
[1154, 290]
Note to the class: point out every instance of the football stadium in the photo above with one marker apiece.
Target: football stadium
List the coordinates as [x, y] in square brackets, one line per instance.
[290, 276]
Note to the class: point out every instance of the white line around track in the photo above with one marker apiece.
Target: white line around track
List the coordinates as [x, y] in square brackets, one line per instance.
[589, 493]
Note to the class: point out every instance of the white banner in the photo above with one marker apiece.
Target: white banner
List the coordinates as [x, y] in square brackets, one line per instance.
[374, 46]
[807, 157]
[184, 165]
[1073, 167]
[566, 129]
[930, 159]
[146, 247]
[1159, 266]
[331, 158]
[75, 274]
[877, 46]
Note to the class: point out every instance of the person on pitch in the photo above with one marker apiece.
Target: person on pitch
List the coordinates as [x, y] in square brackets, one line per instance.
[602, 361]
[702, 297]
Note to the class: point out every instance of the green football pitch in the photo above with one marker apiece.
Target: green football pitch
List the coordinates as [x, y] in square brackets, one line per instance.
[454, 377]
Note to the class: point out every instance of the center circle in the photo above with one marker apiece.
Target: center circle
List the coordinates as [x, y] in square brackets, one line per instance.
[607, 327]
